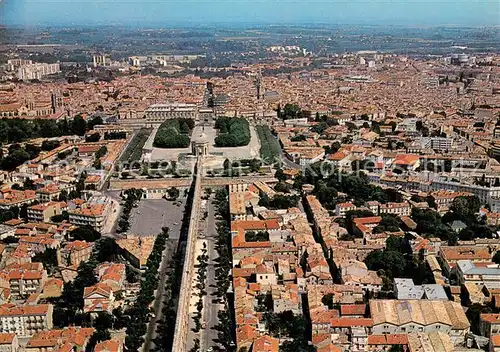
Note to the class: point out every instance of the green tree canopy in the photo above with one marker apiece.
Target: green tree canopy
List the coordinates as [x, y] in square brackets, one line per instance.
[85, 233]
[78, 125]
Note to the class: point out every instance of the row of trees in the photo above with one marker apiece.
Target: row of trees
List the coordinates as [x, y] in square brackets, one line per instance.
[222, 272]
[134, 148]
[18, 155]
[174, 133]
[233, 132]
[279, 201]
[85, 233]
[201, 287]
[14, 131]
[20, 129]
[139, 312]
[14, 212]
[131, 197]
[324, 122]
[270, 149]
[236, 168]
[166, 326]
[114, 135]
[292, 111]
[98, 155]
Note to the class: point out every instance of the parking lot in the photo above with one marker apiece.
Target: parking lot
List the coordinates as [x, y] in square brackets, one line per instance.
[153, 214]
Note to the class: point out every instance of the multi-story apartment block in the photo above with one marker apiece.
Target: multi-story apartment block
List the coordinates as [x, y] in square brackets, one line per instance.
[440, 144]
[43, 212]
[92, 215]
[25, 321]
[400, 209]
[37, 71]
[74, 253]
[23, 280]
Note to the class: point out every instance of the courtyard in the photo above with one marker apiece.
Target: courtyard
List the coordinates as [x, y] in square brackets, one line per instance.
[208, 133]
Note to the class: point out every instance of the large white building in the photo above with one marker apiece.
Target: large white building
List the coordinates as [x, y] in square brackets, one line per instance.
[25, 321]
[101, 60]
[37, 71]
[158, 113]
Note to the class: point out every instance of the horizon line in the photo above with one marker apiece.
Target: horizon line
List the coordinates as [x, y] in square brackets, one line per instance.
[215, 24]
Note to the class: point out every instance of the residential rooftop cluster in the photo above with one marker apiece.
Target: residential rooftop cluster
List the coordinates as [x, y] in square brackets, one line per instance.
[360, 275]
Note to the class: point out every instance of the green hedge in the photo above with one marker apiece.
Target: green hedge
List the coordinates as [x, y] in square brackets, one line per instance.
[134, 148]
[174, 134]
[233, 132]
[269, 145]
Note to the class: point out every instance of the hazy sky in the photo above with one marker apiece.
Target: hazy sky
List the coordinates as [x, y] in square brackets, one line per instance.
[178, 12]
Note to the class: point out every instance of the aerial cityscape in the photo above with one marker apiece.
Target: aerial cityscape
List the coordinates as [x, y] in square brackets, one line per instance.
[249, 177]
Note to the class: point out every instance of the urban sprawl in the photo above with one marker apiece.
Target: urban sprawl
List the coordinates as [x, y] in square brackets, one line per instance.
[283, 204]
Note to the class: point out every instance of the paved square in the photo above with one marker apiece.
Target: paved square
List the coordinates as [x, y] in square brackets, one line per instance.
[153, 214]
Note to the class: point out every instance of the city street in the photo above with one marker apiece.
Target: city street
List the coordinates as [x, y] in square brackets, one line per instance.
[150, 216]
[207, 234]
[170, 248]
[210, 309]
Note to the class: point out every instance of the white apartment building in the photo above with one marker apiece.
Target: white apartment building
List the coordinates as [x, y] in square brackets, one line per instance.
[395, 208]
[23, 281]
[37, 71]
[25, 321]
[483, 193]
[14, 64]
[437, 143]
[101, 60]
